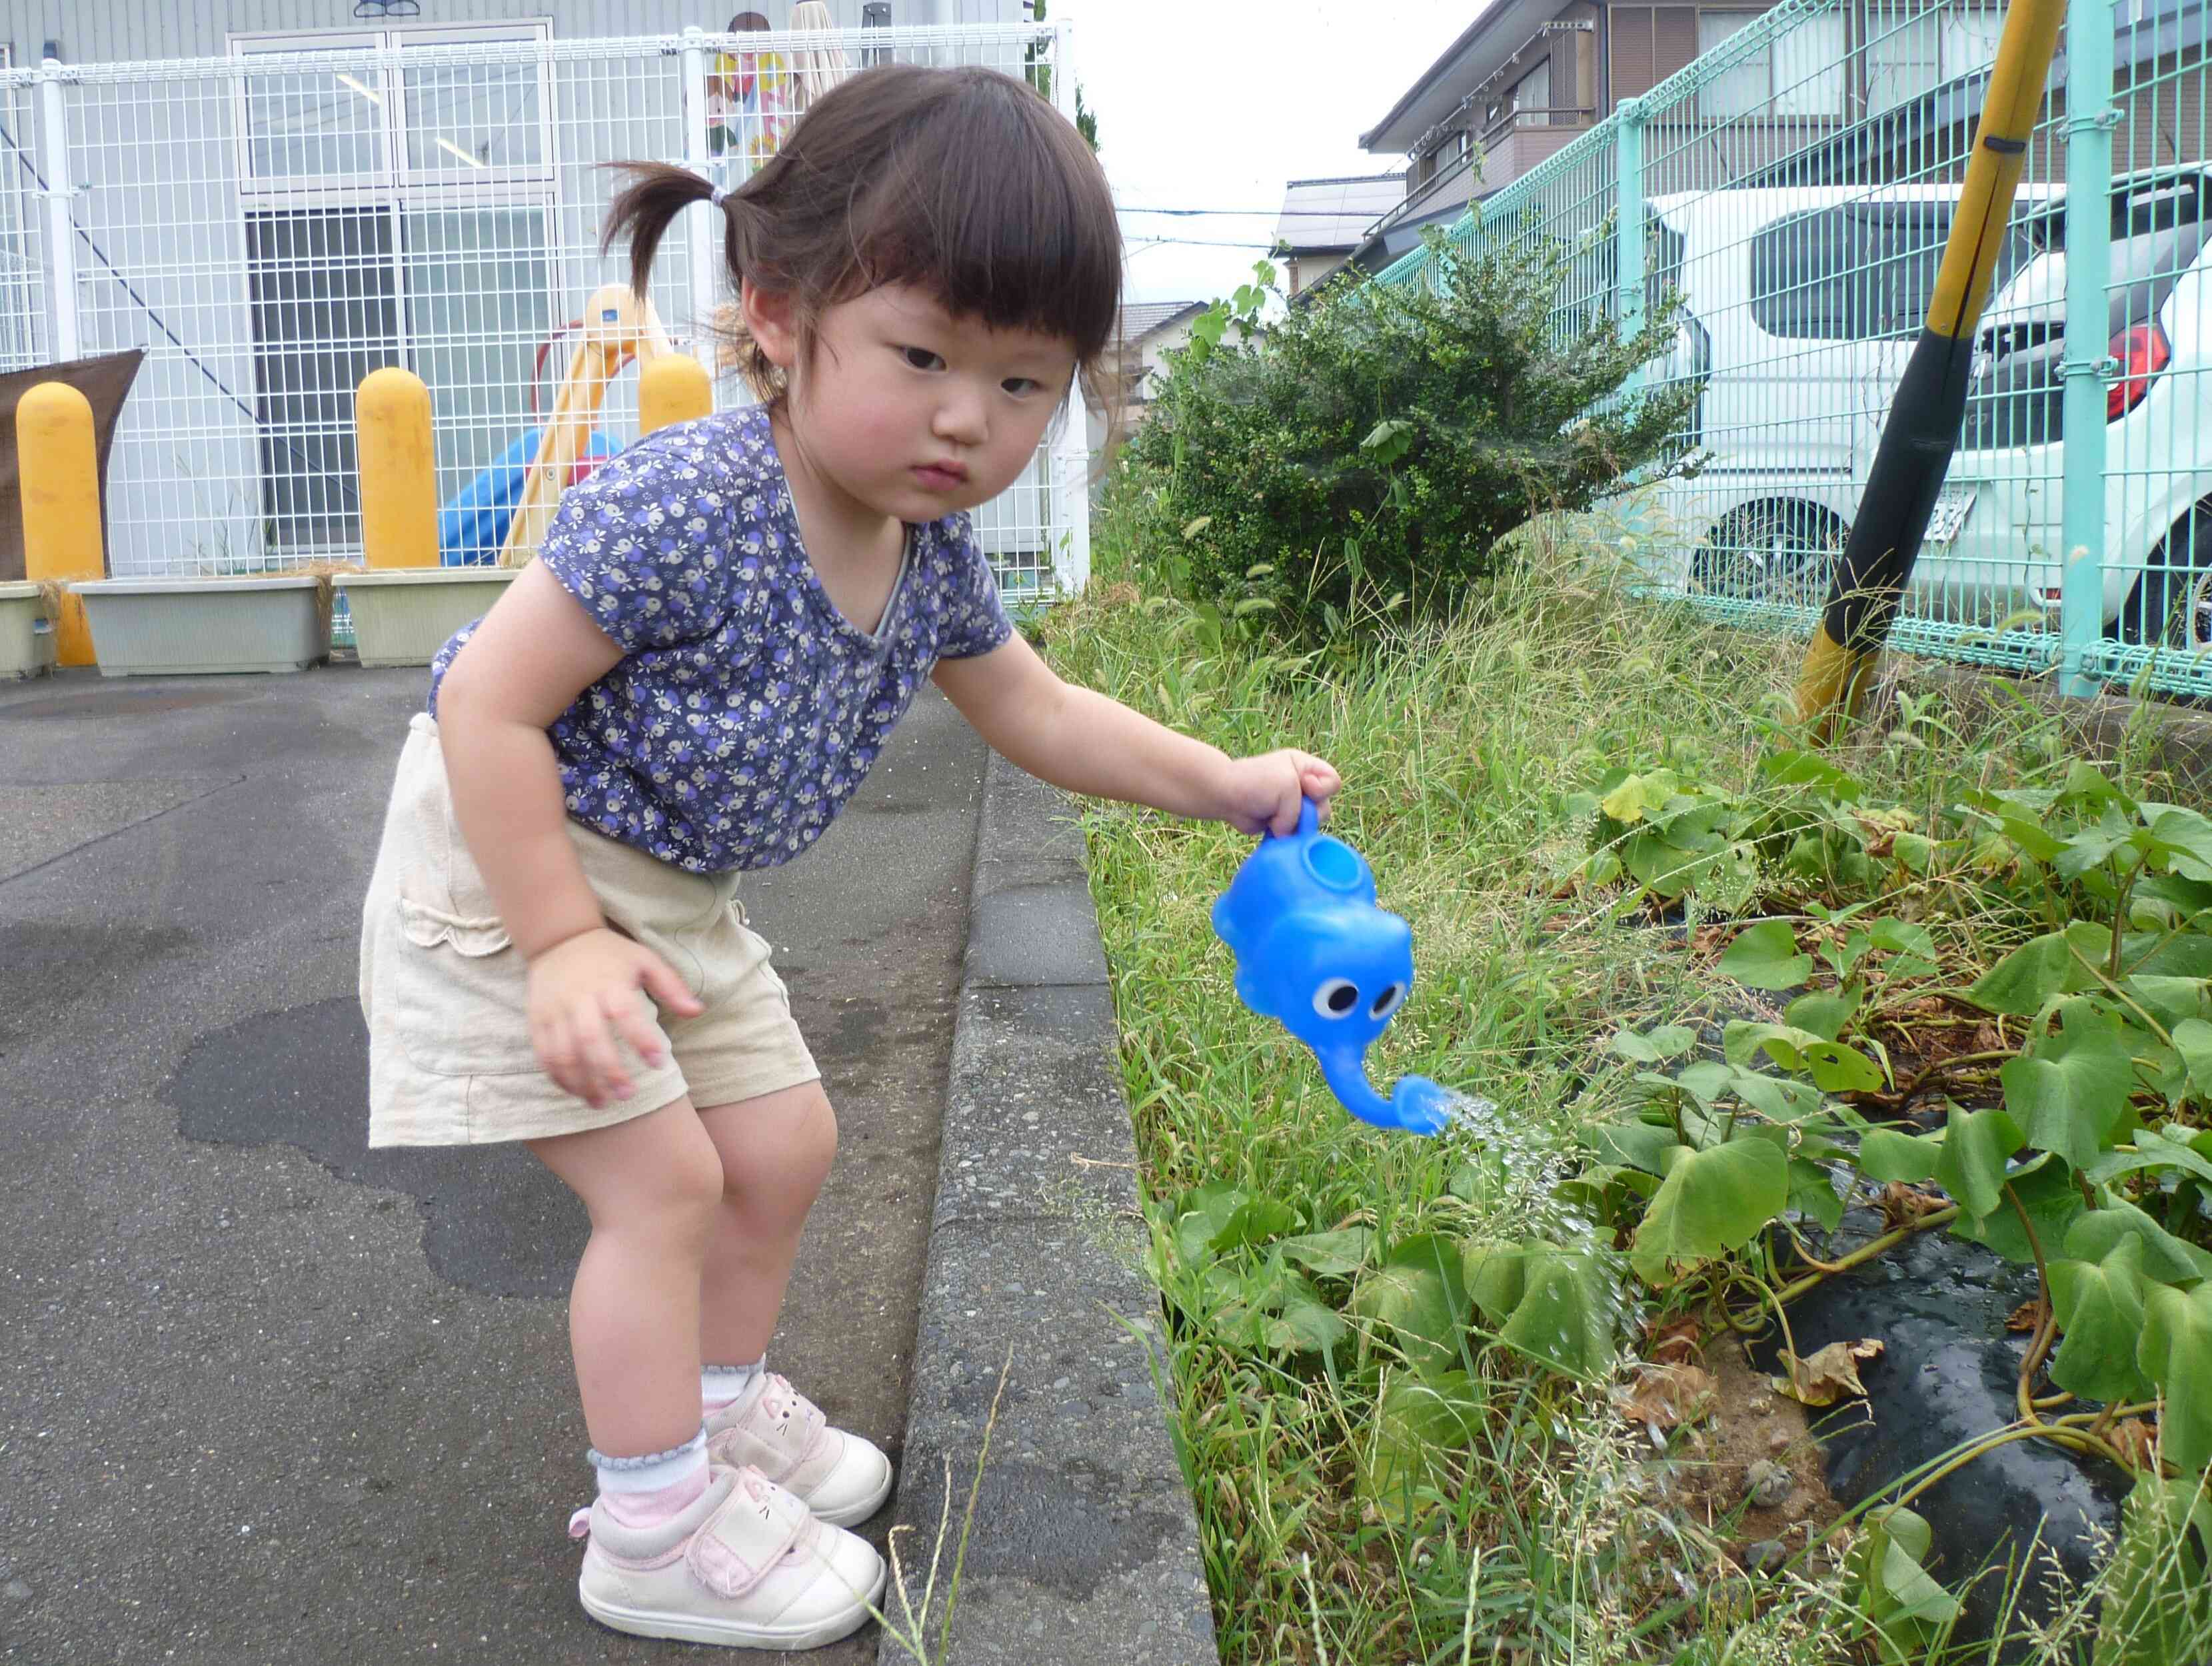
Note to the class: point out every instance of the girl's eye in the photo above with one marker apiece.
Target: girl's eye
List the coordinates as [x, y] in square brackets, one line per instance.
[922, 359]
[1019, 387]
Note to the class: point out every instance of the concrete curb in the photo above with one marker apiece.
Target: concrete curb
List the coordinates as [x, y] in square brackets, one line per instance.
[1085, 1544]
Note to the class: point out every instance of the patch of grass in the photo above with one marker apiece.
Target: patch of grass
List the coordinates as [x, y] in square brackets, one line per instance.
[1535, 1527]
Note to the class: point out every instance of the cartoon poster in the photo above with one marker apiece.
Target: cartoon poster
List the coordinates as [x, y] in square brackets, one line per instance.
[751, 100]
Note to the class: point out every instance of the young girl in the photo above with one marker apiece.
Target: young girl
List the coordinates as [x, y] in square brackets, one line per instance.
[694, 676]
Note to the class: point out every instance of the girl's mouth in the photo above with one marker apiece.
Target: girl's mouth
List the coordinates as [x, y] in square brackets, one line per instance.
[940, 477]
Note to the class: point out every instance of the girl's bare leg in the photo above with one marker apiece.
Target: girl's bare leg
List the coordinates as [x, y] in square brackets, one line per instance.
[775, 1152]
[653, 1187]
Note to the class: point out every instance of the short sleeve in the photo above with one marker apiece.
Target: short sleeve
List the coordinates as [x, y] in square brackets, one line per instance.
[644, 544]
[974, 619]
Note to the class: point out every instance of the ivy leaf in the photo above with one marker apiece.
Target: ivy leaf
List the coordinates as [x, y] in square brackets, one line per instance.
[1711, 1202]
[1913, 946]
[2176, 1353]
[2183, 839]
[1554, 1303]
[1419, 1424]
[2163, 1256]
[2038, 971]
[1823, 1013]
[1638, 1145]
[2099, 1305]
[1629, 800]
[2192, 1039]
[1765, 957]
[2051, 1195]
[1417, 1300]
[1812, 1192]
[1972, 1167]
[1655, 1046]
[2171, 1146]
[1885, 1154]
[1898, 1597]
[1776, 1097]
[2069, 1093]
[1834, 1067]
[1330, 1254]
[1303, 1322]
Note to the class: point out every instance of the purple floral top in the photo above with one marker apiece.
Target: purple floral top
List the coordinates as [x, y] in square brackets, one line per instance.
[746, 709]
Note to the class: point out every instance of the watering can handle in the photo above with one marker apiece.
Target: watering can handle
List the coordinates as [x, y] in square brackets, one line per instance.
[1309, 820]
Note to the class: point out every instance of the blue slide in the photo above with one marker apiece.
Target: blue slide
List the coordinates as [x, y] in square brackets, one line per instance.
[473, 526]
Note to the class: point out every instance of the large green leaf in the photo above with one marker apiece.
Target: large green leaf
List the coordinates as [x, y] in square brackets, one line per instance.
[1638, 1145]
[2176, 1353]
[2049, 1192]
[2099, 1305]
[1899, 1599]
[1331, 1254]
[2179, 841]
[2192, 1039]
[2070, 1092]
[1416, 1301]
[1885, 1154]
[1565, 1317]
[1976, 1143]
[2165, 1258]
[1711, 1202]
[1421, 1426]
[1653, 1046]
[2038, 971]
[1813, 1193]
[1765, 957]
[2158, 1609]
[1833, 1066]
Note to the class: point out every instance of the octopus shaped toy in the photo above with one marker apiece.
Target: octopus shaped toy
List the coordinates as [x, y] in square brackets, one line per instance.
[1314, 951]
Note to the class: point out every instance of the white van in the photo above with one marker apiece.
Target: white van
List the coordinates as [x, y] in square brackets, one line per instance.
[1801, 306]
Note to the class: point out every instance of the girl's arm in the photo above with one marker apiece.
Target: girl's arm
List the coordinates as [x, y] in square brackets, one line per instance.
[535, 652]
[1081, 741]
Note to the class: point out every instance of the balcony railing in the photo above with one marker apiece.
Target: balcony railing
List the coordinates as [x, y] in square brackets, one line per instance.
[1469, 175]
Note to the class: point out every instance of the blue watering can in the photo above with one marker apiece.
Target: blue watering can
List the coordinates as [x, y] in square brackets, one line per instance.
[1314, 951]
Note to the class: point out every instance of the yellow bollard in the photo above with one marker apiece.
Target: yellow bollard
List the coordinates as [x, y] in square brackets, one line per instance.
[673, 388]
[399, 469]
[60, 468]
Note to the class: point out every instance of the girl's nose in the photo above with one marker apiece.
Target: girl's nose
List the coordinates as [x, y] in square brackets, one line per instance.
[962, 419]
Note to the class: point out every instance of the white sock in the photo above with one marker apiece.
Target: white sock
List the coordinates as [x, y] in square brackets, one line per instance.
[719, 1385]
[652, 1472]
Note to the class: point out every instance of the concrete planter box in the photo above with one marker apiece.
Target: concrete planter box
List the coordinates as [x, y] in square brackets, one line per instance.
[178, 627]
[403, 617]
[27, 640]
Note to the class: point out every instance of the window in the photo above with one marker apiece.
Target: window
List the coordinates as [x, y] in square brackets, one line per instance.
[1913, 47]
[1864, 272]
[1798, 73]
[21, 298]
[397, 201]
[1531, 97]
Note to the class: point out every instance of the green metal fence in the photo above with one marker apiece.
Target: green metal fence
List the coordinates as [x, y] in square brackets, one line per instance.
[1795, 186]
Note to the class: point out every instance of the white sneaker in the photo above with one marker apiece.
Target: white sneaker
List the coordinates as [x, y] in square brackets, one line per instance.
[747, 1565]
[779, 1431]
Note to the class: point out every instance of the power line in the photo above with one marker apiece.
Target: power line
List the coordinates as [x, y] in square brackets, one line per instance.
[1248, 214]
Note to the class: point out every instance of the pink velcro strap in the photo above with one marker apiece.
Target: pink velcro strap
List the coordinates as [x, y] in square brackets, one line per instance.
[757, 1525]
[579, 1523]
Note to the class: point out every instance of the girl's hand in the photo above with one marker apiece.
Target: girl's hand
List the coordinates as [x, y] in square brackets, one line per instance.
[583, 994]
[1263, 794]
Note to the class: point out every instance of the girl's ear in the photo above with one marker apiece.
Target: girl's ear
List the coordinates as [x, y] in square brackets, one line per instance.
[769, 321]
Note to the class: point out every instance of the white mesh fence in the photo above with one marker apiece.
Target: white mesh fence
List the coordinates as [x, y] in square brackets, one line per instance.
[273, 226]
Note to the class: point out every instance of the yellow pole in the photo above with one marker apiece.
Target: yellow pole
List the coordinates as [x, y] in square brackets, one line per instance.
[673, 389]
[398, 470]
[1925, 413]
[60, 468]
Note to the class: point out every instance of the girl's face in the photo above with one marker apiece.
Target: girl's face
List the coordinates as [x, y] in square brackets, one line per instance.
[910, 412]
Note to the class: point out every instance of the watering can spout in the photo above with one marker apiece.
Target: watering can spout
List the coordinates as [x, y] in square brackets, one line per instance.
[1416, 1104]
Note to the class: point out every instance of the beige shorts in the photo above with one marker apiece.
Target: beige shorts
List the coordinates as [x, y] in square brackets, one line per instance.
[450, 1059]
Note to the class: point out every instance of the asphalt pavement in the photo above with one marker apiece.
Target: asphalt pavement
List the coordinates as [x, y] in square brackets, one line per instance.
[269, 1397]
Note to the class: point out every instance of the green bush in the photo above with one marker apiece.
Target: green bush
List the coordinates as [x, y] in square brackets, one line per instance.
[1364, 456]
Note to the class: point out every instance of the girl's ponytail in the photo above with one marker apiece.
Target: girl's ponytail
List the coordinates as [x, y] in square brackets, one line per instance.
[644, 211]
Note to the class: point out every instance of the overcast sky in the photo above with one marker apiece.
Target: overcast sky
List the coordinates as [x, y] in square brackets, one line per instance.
[1214, 104]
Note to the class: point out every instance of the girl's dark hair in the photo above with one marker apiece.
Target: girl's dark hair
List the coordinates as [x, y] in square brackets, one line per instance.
[964, 183]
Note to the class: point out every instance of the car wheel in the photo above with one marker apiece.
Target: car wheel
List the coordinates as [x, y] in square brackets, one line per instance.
[1783, 553]
[2170, 605]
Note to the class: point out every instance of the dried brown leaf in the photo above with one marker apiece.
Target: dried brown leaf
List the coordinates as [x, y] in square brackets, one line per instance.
[1901, 1204]
[2029, 1315]
[1667, 1397]
[1828, 1374]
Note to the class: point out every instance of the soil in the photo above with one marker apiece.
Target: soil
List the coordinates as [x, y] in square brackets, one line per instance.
[1751, 1424]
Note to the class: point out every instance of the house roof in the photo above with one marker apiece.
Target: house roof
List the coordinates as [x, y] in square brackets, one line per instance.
[1500, 31]
[1146, 318]
[1320, 214]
